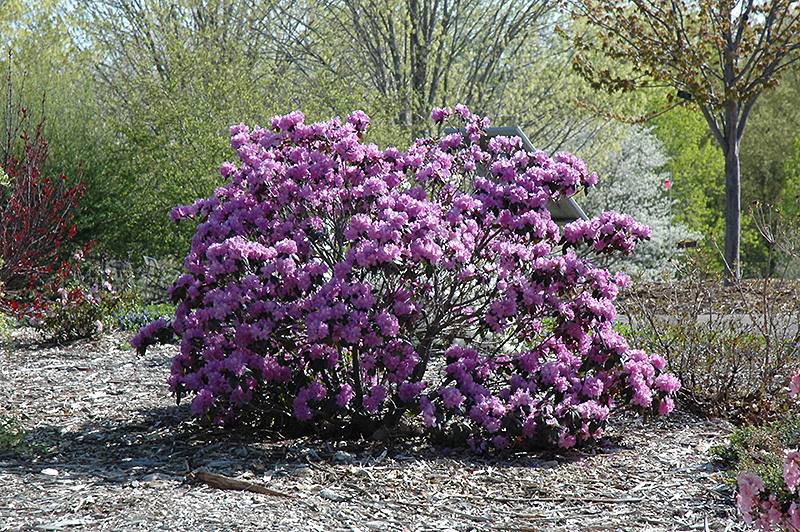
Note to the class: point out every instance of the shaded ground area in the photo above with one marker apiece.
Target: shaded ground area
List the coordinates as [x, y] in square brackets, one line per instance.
[113, 452]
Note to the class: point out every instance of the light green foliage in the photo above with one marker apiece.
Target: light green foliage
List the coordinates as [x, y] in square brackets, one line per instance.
[174, 76]
[697, 164]
[540, 93]
[766, 159]
[696, 167]
[773, 128]
[556, 107]
[52, 78]
[141, 93]
[23, 25]
[322, 72]
[791, 175]
[47, 63]
[789, 202]
[722, 72]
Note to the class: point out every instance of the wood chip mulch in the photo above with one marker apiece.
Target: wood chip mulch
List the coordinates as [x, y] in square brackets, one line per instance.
[109, 450]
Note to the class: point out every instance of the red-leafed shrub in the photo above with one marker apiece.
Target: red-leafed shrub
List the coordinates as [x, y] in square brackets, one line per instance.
[36, 210]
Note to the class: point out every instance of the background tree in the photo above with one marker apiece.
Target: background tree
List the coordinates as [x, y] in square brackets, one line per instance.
[38, 201]
[36, 209]
[418, 54]
[696, 166]
[45, 60]
[772, 129]
[766, 151]
[142, 92]
[172, 77]
[720, 53]
[539, 93]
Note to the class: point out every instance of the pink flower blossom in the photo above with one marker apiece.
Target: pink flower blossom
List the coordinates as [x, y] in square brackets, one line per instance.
[409, 391]
[202, 401]
[451, 397]
[794, 386]
[791, 469]
[359, 120]
[667, 383]
[750, 487]
[373, 401]
[344, 396]
[793, 517]
[439, 114]
[567, 440]
[666, 406]
[388, 324]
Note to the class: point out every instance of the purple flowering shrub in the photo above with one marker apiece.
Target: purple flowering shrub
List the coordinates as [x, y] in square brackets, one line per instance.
[332, 281]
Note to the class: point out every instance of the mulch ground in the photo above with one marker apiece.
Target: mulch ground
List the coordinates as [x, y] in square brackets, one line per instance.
[745, 296]
[109, 450]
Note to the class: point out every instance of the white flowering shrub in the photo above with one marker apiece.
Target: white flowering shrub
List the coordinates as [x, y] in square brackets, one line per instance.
[630, 181]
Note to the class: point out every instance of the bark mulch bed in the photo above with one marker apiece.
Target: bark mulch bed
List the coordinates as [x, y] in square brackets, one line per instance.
[111, 451]
[745, 296]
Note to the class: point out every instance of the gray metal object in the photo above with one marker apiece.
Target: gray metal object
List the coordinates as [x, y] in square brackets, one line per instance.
[562, 212]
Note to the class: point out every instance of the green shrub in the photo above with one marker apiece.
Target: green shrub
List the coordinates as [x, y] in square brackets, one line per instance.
[760, 450]
[11, 433]
[85, 305]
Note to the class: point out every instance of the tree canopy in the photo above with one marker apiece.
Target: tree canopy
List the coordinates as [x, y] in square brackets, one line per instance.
[141, 94]
[422, 53]
[720, 55]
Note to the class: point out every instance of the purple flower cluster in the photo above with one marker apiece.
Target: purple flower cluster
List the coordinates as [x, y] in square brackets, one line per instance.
[645, 389]
[157, 331]
[330, 279]
[610, 233]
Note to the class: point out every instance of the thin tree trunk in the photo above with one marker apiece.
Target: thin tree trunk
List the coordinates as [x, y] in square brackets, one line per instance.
[733, 209]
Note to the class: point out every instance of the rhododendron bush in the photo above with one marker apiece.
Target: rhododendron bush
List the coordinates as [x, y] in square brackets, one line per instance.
[332, 281]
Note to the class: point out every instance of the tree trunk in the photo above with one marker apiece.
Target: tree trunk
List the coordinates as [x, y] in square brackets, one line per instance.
[733, 209]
